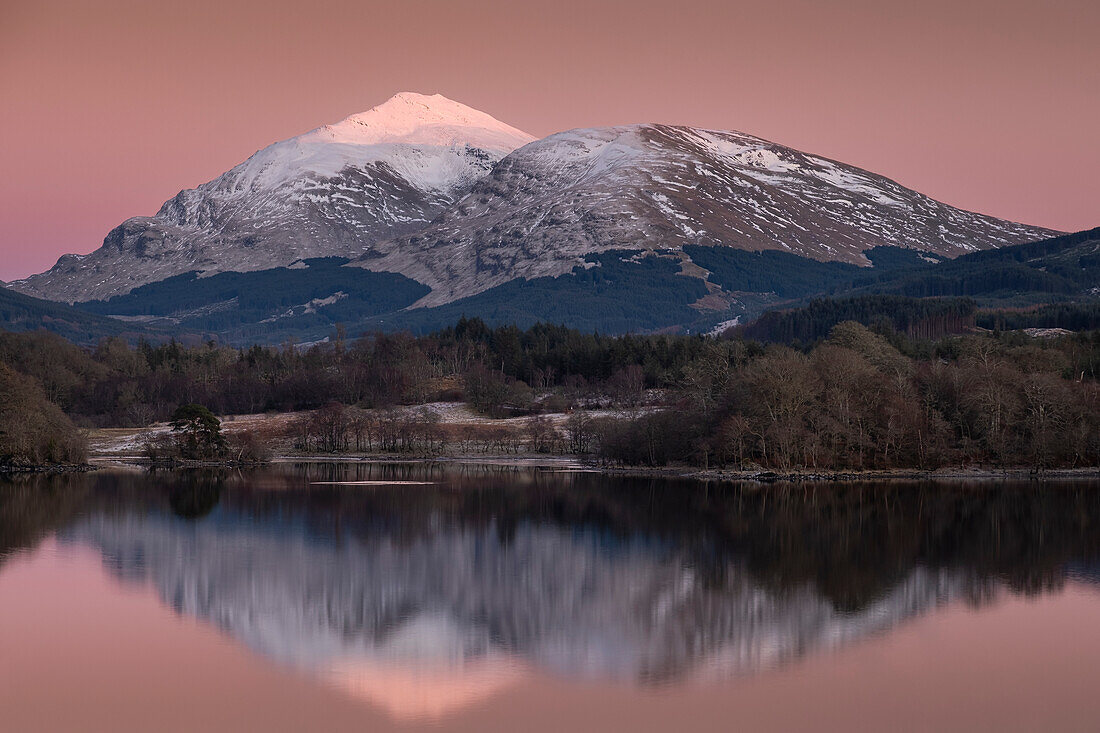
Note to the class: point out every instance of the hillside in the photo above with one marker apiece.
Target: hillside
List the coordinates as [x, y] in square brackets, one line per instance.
[547, 206]
[1051, 283]
[1059, 268]
[613, 292]
[333, 191]
[20, 312]
[303, 302]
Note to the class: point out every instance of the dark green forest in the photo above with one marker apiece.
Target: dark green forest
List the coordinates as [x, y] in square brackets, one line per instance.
[254, 306]
[618, 293]
[1070, 316]
[790, 276]
[926, 318]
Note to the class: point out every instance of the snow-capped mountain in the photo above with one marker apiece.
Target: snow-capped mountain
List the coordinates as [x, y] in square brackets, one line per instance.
[449, 197]
[333, 191]
[547, 205]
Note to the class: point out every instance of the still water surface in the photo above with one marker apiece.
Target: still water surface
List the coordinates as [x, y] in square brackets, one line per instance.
[475, 598]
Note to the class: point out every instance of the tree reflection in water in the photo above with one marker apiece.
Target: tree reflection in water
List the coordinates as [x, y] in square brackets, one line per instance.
[580, 575]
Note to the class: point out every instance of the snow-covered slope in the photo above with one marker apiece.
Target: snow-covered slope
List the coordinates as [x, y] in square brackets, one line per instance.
[334, 191]
[548, 204]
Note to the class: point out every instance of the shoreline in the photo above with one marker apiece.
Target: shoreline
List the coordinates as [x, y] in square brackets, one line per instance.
[955, 473]
[9, 470]
[571, 464]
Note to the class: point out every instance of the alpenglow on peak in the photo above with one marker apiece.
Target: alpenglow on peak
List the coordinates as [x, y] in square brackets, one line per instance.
[421, 119]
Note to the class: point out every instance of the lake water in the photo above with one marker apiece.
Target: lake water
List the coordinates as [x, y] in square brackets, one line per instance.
[451, 597]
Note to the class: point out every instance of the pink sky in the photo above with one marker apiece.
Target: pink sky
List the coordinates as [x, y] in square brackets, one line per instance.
[110, 108]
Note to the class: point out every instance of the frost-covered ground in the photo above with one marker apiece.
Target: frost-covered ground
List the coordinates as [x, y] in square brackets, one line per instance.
[274, 427]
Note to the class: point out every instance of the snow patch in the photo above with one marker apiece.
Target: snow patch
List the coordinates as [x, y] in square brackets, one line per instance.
[420, 119]
[724, 326]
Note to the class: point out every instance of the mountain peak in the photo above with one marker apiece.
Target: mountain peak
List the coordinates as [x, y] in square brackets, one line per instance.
[422, 119]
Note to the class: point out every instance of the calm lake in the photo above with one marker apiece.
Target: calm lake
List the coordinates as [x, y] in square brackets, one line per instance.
[453, 597]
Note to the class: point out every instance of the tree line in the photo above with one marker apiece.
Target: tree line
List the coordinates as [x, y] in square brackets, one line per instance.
[921, 318]
[861, 398]
[855, 401]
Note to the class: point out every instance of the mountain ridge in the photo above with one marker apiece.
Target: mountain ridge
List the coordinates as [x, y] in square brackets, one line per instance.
[547, 205]
[331, 191]
[476, 212]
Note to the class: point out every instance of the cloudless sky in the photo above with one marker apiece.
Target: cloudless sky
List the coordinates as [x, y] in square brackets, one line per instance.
[109, 108]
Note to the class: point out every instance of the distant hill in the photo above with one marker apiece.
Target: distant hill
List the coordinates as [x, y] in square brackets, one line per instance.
[20, 312]
[1051, 283]
[1061, 268]
[303, 302]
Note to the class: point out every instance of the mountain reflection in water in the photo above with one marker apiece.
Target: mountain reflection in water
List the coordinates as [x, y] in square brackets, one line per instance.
[464, 585]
